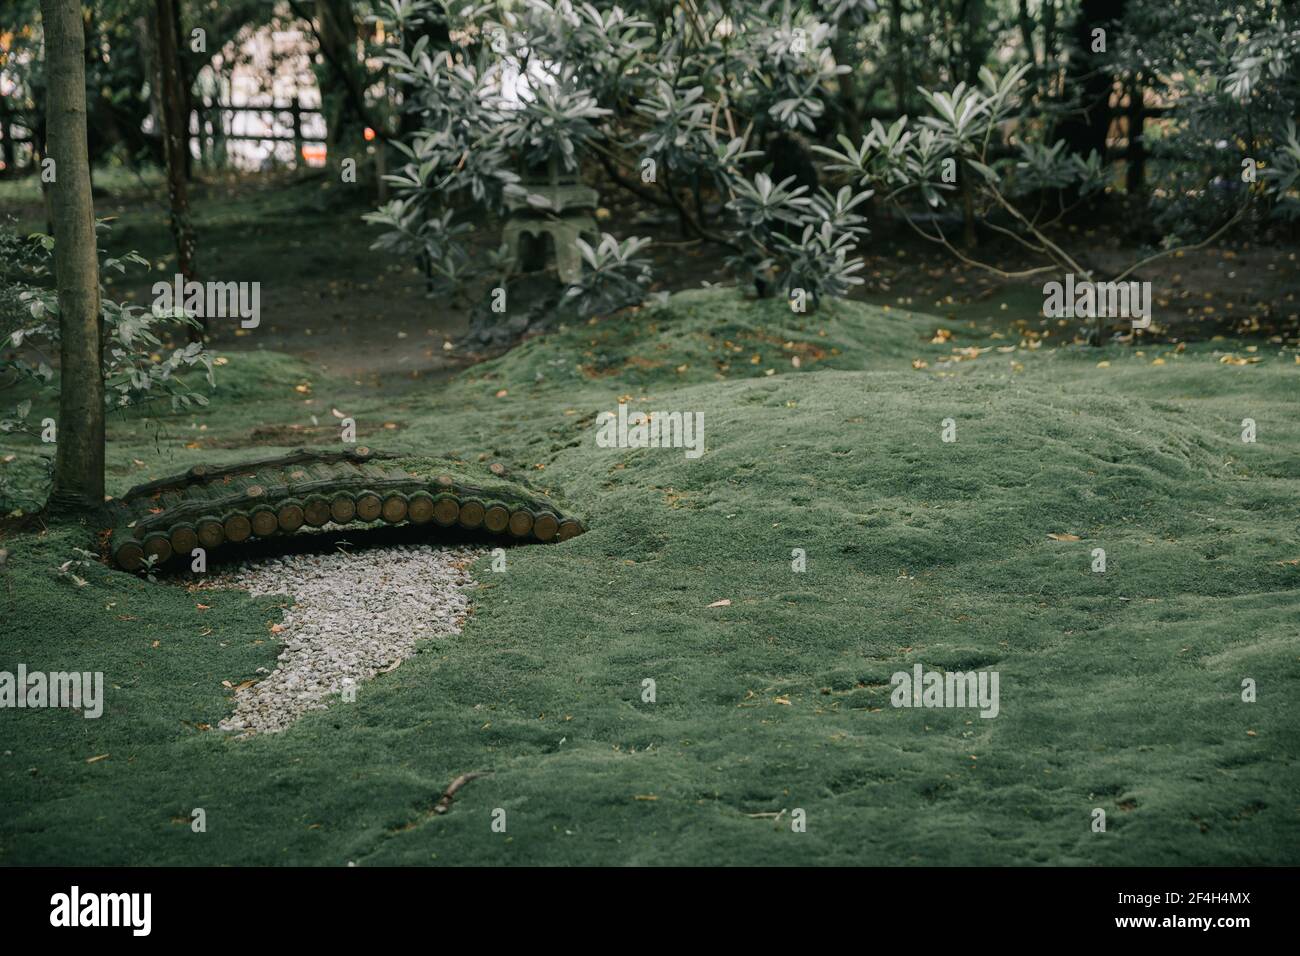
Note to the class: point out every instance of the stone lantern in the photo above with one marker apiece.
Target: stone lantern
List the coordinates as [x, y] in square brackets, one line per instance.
[562, 208]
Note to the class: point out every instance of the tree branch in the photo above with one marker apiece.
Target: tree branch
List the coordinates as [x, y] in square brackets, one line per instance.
[943, 241]
[1204, 242]
[637, 190]
[355, 96]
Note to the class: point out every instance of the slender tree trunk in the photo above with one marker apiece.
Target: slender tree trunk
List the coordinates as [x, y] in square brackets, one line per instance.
[176, 143]
[1051, 62]
[850, 105]
[1137, 153]
[79, 455]
[1026, 24]
[970, 237]
[341, 71]
[1093, 76]
[186, 104]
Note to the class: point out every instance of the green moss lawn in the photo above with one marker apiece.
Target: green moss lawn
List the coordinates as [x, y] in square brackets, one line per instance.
[1118, 690]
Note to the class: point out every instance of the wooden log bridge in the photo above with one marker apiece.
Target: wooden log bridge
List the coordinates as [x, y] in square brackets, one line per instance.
[208, 506]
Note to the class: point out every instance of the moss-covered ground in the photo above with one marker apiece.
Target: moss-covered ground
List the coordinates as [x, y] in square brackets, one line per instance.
[1119, 690]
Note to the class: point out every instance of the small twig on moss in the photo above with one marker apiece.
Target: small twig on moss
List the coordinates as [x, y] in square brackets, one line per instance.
[444, 804]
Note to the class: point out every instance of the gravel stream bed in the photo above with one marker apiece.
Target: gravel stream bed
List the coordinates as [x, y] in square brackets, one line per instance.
[353, 616]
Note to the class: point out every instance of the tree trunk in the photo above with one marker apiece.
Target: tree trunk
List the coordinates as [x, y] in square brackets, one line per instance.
[183, 87]
[1026, 24]
[975, 43]
[176, 142]
[79, 455]
[1051, 58]
[1135, 179]
[9, 154]
[970, 237]
[1093, 75]
[341, 71]
[850, 105]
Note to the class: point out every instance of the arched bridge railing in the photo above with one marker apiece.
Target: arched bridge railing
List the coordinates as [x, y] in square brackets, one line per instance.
[209, 506]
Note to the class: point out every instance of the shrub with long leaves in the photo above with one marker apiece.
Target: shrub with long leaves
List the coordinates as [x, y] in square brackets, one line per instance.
[139, 367]
[613, 275]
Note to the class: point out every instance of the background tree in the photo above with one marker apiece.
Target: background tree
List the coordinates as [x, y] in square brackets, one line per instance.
[174, 98]
[79, 459]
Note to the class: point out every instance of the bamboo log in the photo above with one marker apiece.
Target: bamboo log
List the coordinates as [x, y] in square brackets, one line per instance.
[211, 473]
[189, 496]
[521, 522]
[211, 533]
[369, 505]
[419, 508]
[471, 513]
[395, 508]
[237, 527]
[343, 508]
[546, 526]
[496, 518]
[157, 546]
[265, 523]
[143, 512]
[446, 509]
[289, 515]
[184, 539]
[316, 510]
[397, 502]
[127, 551]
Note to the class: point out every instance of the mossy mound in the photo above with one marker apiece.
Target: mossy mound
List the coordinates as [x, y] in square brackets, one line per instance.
[769, 686]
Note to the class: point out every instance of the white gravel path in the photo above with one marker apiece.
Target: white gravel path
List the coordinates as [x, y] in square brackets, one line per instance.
[353, 616]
